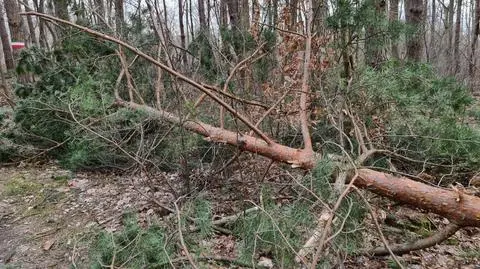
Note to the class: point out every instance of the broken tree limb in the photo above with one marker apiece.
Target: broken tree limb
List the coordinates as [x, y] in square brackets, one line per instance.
[278, 152]
[430, 241]
[460, 208]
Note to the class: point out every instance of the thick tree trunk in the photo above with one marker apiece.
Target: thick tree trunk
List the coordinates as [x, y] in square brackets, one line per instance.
[61, 9]
[458, 33]
[374, 37]
[458, 207]
[7, 49]
[15, 22]
[414, 12]
[233, 14]
[320, 13]
[244, 10]
[393, 17]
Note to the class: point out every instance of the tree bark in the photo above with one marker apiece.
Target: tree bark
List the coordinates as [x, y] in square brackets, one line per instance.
[475, 33]
[414, 12]
[100, 13]
[320, 13]
[393, 18]
[374, 37]
[458, 33]
[458, 207]
[182, 30]
[7, 49]
[15, 22]
[432, 46]
[449, 29]
[61, 9]
[120, 16]
[201, 16]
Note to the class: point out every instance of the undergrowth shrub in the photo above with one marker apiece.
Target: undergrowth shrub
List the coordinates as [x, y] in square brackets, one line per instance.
[132, 247]
[425, 117]
[66, 108]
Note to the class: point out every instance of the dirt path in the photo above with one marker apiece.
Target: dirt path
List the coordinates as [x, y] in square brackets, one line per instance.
[48, 216]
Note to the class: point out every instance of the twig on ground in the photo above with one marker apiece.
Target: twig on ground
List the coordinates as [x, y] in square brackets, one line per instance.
[180, 235]
[379, 229]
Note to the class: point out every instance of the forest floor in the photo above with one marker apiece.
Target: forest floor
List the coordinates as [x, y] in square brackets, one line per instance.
[49, 217]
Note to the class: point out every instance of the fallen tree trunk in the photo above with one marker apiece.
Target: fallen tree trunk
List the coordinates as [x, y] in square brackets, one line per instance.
[458, 207]
[278, 152]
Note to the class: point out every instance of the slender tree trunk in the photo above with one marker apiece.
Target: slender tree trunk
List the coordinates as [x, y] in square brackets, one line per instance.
[182, 30]
[223, 14]
[119, 17]
[449, 29]
[414, 12]
[475, 33]
[293, 7]
[432, 31]
[31, 28]
[100, 13]
[201, 17]
[458, 33]
[7, 49]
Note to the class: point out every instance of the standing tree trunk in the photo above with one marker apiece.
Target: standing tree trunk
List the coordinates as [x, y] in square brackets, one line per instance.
[449, 29]
[432, 46]
[320, 13]
[475, 33]
[393, 18]
[100, 13]
[182, 30]
[14, 21]
[293, 7]
[414, 12]
[458, 32]
[223, 14]
[31, 27]
[374, 36]
[233, 14]
[244, 10]
[61, 9]
[7, 49]
[201, 17]
[119, 17]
